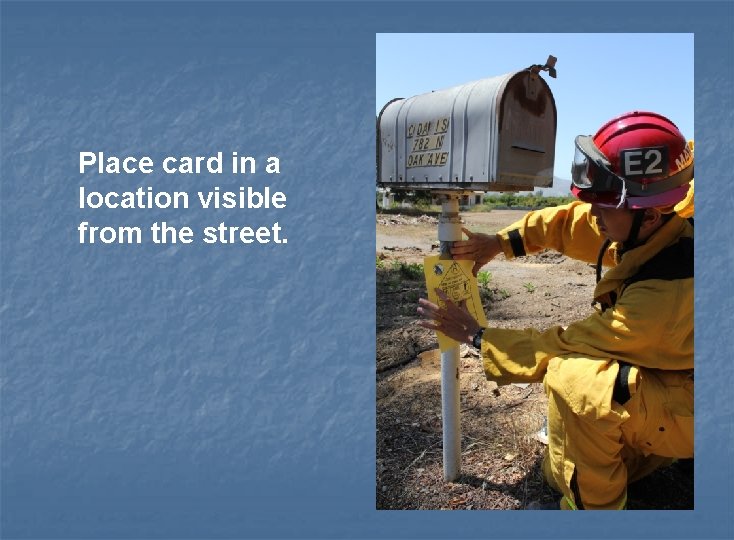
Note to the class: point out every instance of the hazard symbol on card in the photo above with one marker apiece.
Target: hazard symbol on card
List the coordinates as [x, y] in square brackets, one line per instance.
[455, 278]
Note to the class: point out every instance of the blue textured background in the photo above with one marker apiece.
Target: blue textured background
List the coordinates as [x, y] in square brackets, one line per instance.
[199, 391]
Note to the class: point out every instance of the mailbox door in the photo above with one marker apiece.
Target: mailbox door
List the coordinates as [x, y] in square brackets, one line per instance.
[527, 133]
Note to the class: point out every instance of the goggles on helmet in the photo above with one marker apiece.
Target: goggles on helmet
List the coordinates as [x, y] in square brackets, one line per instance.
[591, 172]
[591, 169]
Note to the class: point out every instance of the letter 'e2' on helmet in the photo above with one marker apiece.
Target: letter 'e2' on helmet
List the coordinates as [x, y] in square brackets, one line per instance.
[636, 160]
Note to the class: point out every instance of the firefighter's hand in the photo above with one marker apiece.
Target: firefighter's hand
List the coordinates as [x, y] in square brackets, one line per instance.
[454, 321]
[480, 248]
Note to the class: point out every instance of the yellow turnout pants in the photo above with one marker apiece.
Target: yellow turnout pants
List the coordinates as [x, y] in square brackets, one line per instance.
[597, 445]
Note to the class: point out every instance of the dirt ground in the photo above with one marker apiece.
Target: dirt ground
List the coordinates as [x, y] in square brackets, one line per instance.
[500, 454]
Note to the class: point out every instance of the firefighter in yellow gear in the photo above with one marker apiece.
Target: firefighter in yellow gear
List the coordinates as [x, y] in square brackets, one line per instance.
[620, 382]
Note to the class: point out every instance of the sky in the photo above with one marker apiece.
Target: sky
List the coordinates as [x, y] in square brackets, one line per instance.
[599, 76]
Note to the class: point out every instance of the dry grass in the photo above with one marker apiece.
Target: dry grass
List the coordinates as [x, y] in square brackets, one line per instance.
[501, 461]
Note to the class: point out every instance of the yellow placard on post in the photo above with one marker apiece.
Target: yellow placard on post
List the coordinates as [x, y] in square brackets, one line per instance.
[455, 278]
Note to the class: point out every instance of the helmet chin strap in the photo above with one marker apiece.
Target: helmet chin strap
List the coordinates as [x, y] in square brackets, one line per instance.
[630, 243]
[632, 238]
[600, 257]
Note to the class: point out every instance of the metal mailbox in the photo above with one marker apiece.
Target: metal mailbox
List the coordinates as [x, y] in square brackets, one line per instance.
[495, 134]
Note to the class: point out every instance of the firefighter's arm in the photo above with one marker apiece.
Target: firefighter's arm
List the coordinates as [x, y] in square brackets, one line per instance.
[637, 330]
[569, 229]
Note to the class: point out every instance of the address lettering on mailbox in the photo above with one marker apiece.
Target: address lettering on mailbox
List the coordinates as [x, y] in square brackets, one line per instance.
[428, 140]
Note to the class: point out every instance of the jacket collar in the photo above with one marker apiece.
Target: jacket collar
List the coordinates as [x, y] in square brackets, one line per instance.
[629, 264]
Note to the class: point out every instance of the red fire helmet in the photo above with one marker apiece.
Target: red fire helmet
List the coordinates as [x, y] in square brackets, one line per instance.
[636, 160]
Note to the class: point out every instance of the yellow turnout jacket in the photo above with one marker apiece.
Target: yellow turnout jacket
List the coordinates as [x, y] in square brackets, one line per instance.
[647, 320]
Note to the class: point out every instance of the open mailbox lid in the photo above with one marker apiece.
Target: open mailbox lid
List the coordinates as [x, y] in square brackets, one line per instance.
[495, 134]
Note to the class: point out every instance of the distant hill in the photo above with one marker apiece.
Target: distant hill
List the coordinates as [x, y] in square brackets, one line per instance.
[561, 188]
